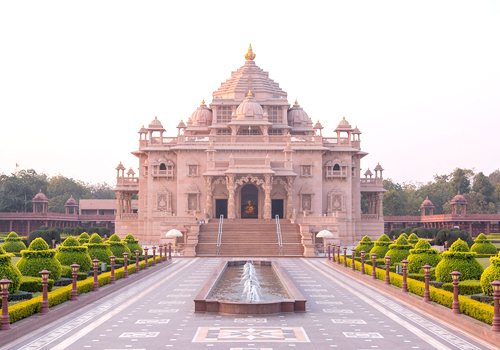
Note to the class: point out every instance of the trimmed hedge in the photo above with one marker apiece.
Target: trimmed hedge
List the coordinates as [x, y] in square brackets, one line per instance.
[133, 244]
[413, 239]
[39, 257]
[473, 308]
[421, 255]
[117, 247]
[381, 246]
[467, 287]
[27, 308]
[483, 245]
[400, 250]
[83, 238]
[365, 244]
[98, 250]
[71, 252]
[8, 270]
[461, 259]
[13, 243]
[34, 284]
[489, 275]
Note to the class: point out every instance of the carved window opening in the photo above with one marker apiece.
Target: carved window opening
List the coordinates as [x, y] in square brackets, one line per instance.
[193, 170]
[163, 201]
[224, 114]
[192, 202]
[163, 168]
[306, 170]
[275, 114]
[305, 199]
[335, 169]
[252, 131]
[276, 132]
[193, 199]
[335, 201]
[224, 132]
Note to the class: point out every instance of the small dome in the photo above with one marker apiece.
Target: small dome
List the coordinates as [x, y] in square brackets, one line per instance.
[378, 167]
[459, 199]
[142, 130]
[368, 173]
[297, 116]
[356, 130]
[130, 172]
[181, 125]
[249, 108]
[40, 197]
[120, 167]
[71, 201]
[427, 204]
[288, 148]
[156, 124]
[202, 116]
[318, 125]
[344, 124]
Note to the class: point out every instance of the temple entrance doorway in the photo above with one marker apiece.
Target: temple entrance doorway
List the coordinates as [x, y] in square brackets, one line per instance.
[277, 208]
[249, 202]
[221, 208]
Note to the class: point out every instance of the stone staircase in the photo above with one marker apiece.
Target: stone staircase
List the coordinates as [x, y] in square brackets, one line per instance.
[249, 237]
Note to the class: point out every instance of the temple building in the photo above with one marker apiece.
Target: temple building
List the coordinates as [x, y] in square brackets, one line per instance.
[249, 156]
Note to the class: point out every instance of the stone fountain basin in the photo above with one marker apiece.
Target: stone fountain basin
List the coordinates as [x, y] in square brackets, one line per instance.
[295, 303]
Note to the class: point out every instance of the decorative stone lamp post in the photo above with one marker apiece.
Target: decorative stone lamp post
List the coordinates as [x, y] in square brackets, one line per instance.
[154, 255]
[328, 246]
[125, 265]
[445, 245]
[353, 265]
[404, 286]
[112, 278]
[74, 274]
[170, 251]
[455, 275]
[345, 260]
[137, 260]
[374, 272]
[387, 264]
[95, 286]
[362, 262]
[338, 254]
[5, 321]
[161, 248]
[333, 252]
[53, 244]
[495, 327]
[427, 294]
[146, 265]
[45, 300]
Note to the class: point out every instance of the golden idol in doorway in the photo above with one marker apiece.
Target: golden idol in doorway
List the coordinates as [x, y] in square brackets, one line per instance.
[249, 209]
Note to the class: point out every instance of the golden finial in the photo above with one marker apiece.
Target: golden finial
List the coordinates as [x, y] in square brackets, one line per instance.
[203, 101]
[156, 117]
[142, 125]
[343, 118]
[250, 55]
[378, 163]
[182, 121]
[249, 93]
[288, 144]
[296, 102]
[210, 143]
[120, 163]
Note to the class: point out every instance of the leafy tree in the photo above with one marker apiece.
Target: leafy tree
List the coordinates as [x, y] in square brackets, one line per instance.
[483, 185]
[460, 180]
[17, 190]
[495, 177]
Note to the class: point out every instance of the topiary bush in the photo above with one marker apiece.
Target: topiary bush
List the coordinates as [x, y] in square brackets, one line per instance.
[467, 287]
[483, 245]
[13, 244]
[47, 234]
[451, 236]
[413, 239]
[39, 257]
[71, 252]
[83, 238]
[98, 249]
[421, 255]
[461, 259]
[381, 246]
[34, 284]
[365, 244]
[8, 270]
[400, 250]
[117, 247]
[489, 275]
[133, 244]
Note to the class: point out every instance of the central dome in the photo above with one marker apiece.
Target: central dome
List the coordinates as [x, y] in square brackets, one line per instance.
[249, 108]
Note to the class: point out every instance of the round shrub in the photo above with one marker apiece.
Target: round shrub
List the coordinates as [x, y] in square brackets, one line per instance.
[84, 238]
[98, 249]
[413, 239]
[381, 246]
[71, 252]
[10, 272]
[483, 245]
[365, 244]
[421, 255]
[461, 259]
[13, 244]
[133, 244]
[117, 246]
[399, 250]
[39, 257]
[489, 275]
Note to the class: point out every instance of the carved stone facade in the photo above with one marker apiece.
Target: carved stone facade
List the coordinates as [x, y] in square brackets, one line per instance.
[250, 154]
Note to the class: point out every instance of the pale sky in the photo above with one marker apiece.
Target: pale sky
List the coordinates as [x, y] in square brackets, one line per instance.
[421, 79]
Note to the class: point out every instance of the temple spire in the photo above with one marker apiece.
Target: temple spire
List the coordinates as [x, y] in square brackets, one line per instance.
[250, 55]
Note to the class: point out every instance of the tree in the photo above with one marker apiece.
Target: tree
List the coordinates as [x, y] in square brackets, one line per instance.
[17, 190]
[61, 188]
[483, 185]
[460, 180]
[495, 177]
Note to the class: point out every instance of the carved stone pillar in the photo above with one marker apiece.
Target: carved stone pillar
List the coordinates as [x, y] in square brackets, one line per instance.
[267, 196]
[208, 205]
[380, 202]
[119, 203]
[289, 196]
[231, 208]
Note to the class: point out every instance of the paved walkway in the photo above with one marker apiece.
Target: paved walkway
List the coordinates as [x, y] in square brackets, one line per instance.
[158, 313]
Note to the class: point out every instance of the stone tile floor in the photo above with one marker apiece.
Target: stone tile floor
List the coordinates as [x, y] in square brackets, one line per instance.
[158, 313]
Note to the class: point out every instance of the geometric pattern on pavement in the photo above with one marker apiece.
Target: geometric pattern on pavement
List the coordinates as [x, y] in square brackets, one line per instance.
[254, 334]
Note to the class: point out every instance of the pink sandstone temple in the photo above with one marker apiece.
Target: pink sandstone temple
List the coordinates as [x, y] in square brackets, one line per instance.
[261, 164]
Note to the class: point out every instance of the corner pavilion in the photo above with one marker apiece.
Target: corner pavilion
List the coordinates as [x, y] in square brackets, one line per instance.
[249, 155]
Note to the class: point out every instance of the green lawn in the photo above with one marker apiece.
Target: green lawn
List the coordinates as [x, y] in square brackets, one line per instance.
[484, 261]
[15, 259]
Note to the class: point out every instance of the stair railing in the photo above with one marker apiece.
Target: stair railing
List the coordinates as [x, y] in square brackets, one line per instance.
[278, 231]
[219, 234]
